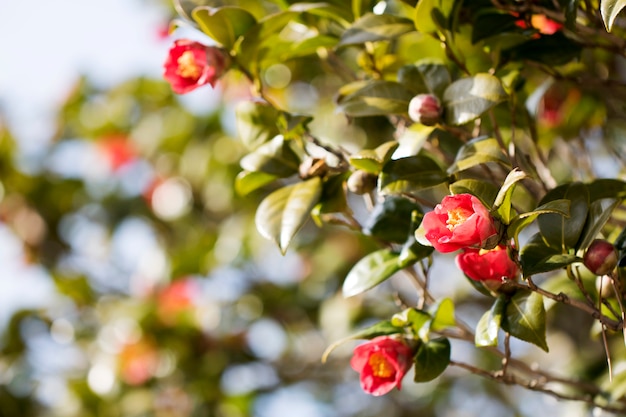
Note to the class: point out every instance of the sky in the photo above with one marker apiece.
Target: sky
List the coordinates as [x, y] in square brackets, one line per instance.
[45, 45]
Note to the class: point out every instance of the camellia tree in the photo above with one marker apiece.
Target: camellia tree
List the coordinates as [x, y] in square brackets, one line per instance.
[490, 129]
[440, 184]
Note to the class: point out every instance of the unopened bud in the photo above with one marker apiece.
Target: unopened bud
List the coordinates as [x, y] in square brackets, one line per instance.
[361, 182]
[601, 257]
[425, 109]
[312, 167]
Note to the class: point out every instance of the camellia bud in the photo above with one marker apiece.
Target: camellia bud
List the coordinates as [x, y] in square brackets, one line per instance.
[425, 109]
[361, 182]
[601, 257]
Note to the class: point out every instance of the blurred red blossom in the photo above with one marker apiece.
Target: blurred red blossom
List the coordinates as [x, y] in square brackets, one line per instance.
[191, 64]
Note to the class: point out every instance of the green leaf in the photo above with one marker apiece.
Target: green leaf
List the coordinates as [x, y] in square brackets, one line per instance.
[610, 9]
[382, 328]
[374, 27]
[373, 98]
[411, 317]
[333, 199]
[489, 324]
[542, 50]
[372, 161]
[468, 98]
[537, 257]
[391, 220]
[521, 221]
[424, 17]
[413, 251]
[502, 205]
[260, 39]
[282, 213]
[410, 175]
[224, 24]
[606, 188]
[431, 359]
[599, 214]
[479, 151]
[370, 271]
[443, 315]
[492, 22]
[275, 157]
[484, 191]
[247, 182]
[256, 123]
[425, 77]
[564, 232]
[525, 318]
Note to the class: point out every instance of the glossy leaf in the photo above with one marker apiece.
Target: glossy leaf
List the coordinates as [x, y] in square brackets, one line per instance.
[333, 199]
[484, 191]
[256, 123]
[503, 205]
[376, 27]
[599, 214]
[370, 271]
[247, 182]
[468, 98]
[543, 50]
[224, 24]
[537, 257]
[413, 318]
[413, 251]
[610, 9]
[479, 151]
[391, 220]
[424, 16]
[410, 175]
[431, 359]
[443, 315]
[525, 318]
[489, 324]
[425, 77]
[372, 161]
[606, 188]
[373, 98]
[560, 231]
[521, 221]
[275, 157]
[282, 213]
[492, 22]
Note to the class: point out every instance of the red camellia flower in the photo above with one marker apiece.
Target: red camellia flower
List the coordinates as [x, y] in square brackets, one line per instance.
[382, 363]
[459, 221]
[191, 64]
[487, 265]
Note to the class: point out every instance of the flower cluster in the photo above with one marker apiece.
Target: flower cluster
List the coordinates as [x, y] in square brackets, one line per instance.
[462, 222]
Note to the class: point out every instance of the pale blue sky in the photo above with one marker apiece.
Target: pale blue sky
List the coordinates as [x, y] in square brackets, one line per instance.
[45, 45]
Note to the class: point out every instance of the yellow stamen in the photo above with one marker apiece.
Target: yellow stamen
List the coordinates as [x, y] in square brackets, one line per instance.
[381, 367]
[187, 67]
[457, 217]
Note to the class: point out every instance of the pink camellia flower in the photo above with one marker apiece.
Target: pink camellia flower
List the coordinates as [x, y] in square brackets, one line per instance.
[459, 221]
[191, 64]
[382, 363]
[487, 265]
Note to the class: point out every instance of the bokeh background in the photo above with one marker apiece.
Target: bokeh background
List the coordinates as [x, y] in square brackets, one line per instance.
[132, 279]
